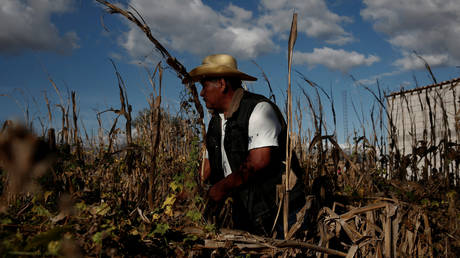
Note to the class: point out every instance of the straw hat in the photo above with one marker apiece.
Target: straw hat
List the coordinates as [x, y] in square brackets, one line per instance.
[219, 65]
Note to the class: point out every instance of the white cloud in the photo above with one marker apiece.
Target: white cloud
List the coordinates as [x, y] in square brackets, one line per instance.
[412, 62]
[335, 59]
[26, 24]
[115, 56]
[237, 13]
[430, 27]
[194, 27]
[373, 80]
[314, 19]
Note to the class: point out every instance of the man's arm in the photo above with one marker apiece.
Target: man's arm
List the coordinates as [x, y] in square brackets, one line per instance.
[257, 160]
[263, 130]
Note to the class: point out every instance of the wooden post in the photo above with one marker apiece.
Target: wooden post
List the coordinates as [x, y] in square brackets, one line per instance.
[292, 39]
[52, 139]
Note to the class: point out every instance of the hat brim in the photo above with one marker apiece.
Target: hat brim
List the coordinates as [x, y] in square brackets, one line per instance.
[213, 71]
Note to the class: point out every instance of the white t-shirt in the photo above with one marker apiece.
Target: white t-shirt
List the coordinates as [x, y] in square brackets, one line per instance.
[263, 130]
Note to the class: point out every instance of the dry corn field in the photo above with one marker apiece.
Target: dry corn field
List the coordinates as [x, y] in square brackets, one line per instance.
[134, 188]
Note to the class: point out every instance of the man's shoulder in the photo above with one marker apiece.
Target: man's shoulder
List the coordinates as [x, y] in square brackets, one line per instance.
[257, 99]
[253, 99]
[254, 96]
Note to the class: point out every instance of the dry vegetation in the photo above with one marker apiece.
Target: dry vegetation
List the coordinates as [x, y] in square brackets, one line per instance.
[125, 194]
[122, 193]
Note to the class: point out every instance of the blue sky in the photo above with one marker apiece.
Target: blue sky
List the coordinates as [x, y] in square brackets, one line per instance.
[369, 39]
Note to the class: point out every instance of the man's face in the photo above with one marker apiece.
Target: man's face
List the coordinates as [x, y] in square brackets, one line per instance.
[212, 93]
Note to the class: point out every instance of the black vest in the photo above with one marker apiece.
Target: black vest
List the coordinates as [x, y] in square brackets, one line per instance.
[256, 199]
[236, 136]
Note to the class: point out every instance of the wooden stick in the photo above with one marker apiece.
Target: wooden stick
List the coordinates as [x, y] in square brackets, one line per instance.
[243, 240]
[293, 243]
[292, 39]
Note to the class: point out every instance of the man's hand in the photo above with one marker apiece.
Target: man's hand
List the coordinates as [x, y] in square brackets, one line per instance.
[257, 160]
[217, 193]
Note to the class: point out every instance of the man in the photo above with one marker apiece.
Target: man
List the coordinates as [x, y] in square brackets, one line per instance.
[245, 145]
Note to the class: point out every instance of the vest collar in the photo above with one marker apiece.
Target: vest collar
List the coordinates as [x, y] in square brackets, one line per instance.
[235, 104]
